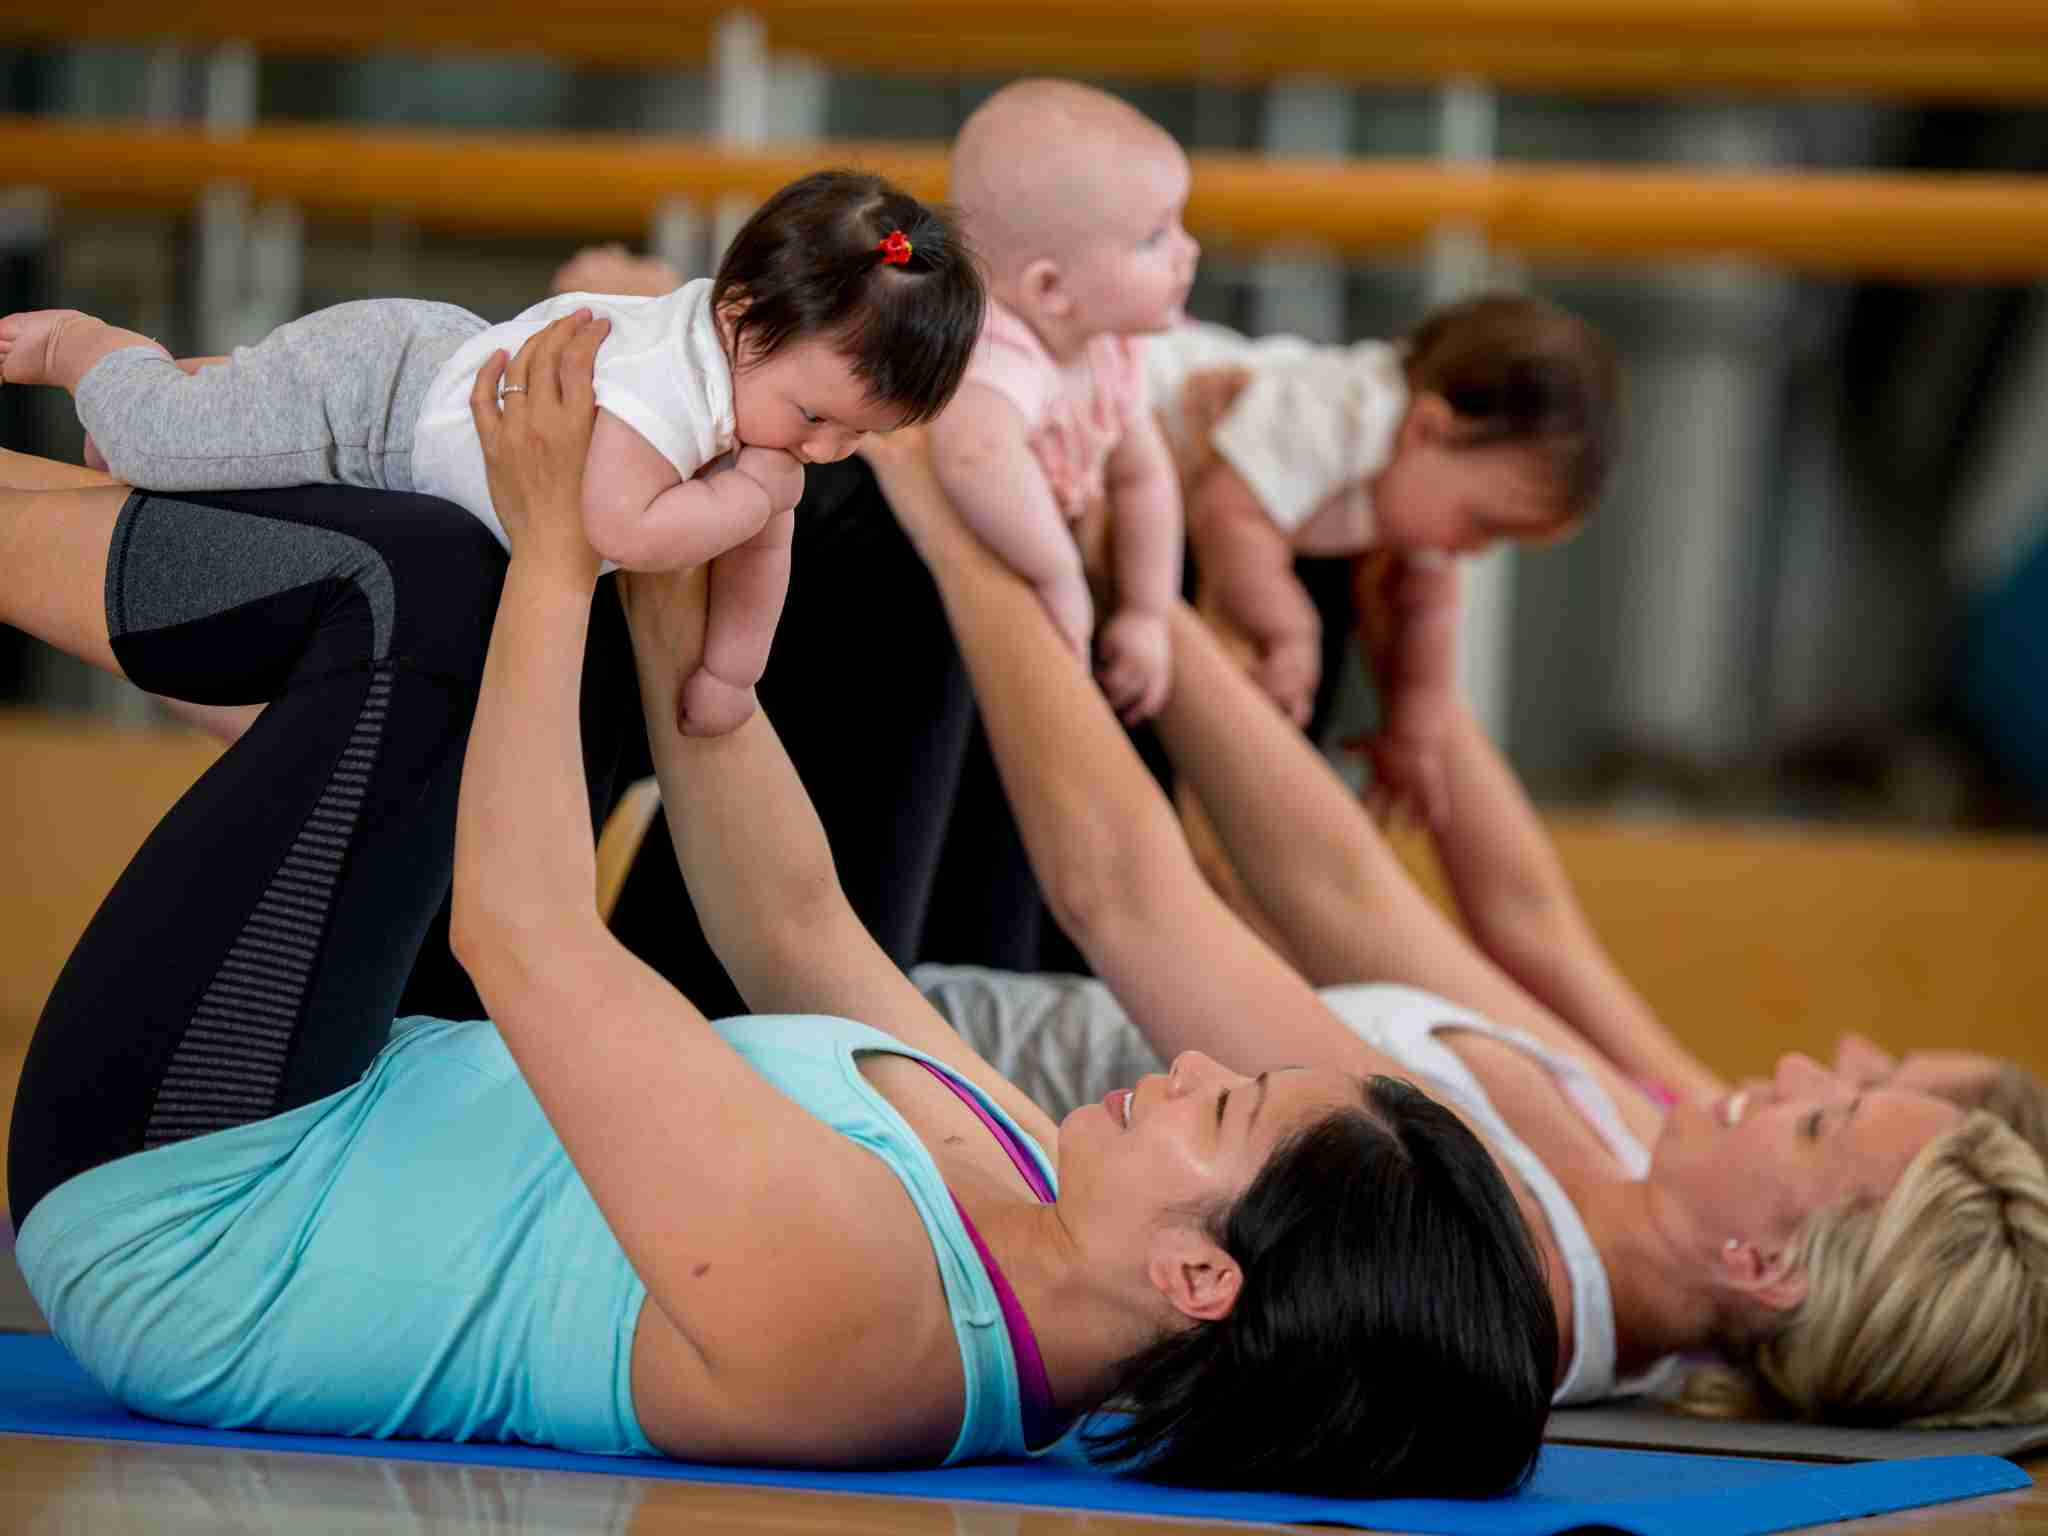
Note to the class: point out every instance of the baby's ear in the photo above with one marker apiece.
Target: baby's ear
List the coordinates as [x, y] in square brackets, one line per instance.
[1430, 422]
[1043, 288]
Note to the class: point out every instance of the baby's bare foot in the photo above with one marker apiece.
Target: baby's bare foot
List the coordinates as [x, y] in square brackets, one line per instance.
[30, 343]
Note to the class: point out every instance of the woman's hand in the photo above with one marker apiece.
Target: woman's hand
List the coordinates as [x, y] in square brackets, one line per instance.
[902, 462]
[614, 269]
[535, 432]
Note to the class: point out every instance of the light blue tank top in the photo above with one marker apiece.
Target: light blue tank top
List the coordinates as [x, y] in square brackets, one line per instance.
[414, 1256]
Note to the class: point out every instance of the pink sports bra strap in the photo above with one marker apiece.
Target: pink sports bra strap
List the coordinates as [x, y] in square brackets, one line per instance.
[1042, 1425]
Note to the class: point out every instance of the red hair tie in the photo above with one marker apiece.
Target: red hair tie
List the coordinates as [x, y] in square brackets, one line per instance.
[895, 249]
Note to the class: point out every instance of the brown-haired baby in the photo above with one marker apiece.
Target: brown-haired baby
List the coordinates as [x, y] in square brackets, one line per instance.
[1496, 419]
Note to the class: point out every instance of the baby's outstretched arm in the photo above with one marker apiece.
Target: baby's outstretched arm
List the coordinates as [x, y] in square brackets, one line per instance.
[1415, 665]
[638, 514]
[983, 457]
[1136, 666]
[742, 605]
[1246, 566]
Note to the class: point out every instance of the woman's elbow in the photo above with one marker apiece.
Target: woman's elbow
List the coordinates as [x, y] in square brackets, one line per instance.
[1092, 893]
[483, 935]
[472, 939]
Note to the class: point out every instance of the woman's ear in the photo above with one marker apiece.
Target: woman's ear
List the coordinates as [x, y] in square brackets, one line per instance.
[1767, 1282]
[1197, 1278]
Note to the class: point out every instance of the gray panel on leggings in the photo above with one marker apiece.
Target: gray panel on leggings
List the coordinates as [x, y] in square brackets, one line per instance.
[220, 560]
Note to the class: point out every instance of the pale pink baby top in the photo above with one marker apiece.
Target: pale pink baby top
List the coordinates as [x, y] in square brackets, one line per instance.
[1074, 418]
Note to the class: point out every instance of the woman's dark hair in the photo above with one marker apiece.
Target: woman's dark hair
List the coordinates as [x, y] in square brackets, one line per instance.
[809, 262]
[1517, 369]
[1393, 1336]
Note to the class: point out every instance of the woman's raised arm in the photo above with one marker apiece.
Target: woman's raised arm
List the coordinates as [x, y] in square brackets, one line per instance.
[1519, 903]
[754, 856]
[733, 1204]
[1101, 836]
[1307, 852]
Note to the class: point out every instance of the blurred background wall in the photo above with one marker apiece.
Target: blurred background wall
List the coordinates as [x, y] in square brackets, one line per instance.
[1818, 587]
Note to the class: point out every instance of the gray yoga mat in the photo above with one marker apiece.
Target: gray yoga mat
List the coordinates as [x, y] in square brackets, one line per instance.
[1647, 1425]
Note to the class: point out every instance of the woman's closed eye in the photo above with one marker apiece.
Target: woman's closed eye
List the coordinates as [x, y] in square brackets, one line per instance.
[1812, 1125]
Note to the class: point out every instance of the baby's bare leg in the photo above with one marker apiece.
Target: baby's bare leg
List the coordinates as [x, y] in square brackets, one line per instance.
[744, 602]
[60, 346]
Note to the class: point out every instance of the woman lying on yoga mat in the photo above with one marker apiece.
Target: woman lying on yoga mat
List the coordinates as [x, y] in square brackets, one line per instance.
[600, 1223]
[1874, 1256]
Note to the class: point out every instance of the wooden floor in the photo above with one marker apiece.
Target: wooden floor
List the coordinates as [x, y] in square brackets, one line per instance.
[109, 1489]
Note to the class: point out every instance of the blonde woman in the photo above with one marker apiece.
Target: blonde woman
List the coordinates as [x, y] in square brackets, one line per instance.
[1873, 1255]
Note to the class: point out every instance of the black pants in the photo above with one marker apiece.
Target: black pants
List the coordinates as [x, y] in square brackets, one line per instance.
[253, 954]
[869, 695]
[868, 691]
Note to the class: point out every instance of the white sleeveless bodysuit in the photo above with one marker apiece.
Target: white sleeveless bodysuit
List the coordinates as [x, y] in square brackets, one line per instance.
[662, 371]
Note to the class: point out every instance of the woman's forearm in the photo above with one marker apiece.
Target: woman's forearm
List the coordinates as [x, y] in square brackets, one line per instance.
[1091, 819]
[1291, 827]
[525, 858]
[1310, 857]
[1102, 837]
[752, 850]
[1519, 903]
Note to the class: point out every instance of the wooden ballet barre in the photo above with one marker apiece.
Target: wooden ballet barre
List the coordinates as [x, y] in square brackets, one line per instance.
[1916, 226]
[1973, 50]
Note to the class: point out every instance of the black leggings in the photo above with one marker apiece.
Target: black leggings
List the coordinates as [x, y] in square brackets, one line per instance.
[872, 701]
[868, 691]
[252, 956]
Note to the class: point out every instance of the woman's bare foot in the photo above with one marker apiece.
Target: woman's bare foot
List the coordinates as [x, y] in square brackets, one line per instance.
[58, 346]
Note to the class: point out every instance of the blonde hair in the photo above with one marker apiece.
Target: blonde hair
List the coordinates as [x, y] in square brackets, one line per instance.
[1929, 1307]
[2017, 1097]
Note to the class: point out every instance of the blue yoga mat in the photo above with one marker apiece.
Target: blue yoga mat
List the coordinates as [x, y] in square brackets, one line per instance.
[44, 1392]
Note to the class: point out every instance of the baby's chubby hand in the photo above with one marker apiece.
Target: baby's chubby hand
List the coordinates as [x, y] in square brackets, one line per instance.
[1289, 670]
[1135, 664]
[779, 474]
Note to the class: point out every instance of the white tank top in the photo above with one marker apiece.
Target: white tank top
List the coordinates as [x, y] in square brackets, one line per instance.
[1404, 1023]
[662, 371]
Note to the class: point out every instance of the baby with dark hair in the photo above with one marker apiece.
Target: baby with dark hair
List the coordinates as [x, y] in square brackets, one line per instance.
[1496, 419]
[843, 307]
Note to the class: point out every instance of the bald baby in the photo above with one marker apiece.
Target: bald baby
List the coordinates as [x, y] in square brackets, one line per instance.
[1073, 201]
[1044, 166]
